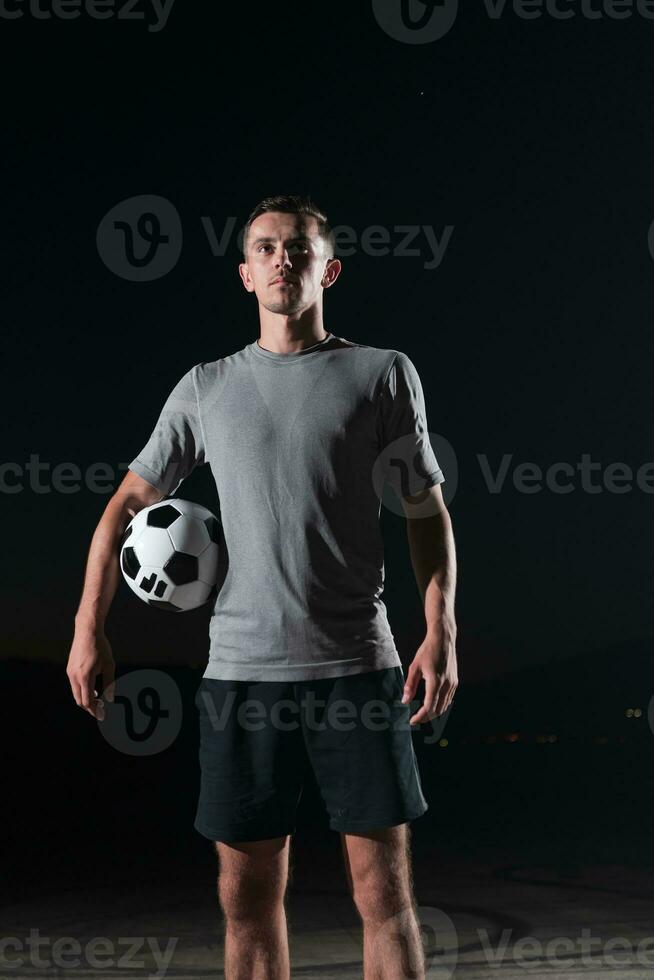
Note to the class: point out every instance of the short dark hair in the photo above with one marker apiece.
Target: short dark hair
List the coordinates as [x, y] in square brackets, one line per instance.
[293, 204]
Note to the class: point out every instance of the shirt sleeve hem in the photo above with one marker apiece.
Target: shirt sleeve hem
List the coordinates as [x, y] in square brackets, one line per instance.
[148, 475]
[436, 477]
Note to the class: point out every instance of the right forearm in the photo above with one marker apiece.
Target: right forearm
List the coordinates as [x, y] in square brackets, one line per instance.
[102, 569]
[90, 655]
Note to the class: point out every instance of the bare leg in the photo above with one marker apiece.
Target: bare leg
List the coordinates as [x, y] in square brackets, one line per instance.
[378, 867]
[251, 888]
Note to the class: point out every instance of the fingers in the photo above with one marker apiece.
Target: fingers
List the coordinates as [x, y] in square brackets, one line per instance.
[108, 683]
[411, 684]
[91, 702]
[447, 702]
[425, 712]
[75, 689]
[87, 698]
[439, 695]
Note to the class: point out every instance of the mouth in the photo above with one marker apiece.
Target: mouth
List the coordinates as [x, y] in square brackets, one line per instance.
[282, 282]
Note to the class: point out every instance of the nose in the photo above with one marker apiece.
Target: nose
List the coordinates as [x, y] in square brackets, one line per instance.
[282, 259]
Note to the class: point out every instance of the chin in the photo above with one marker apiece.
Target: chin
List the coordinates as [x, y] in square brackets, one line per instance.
[282, 307]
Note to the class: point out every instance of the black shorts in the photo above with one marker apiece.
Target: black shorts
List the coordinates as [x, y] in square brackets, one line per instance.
[258, 740]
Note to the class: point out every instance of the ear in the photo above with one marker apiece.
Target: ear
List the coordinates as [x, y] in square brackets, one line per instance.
[244, 273]
[331, 273]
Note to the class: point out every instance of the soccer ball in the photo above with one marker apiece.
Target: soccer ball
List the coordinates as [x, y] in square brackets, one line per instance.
[169, 555]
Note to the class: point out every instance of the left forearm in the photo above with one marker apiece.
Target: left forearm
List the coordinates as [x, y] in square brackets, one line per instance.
[433, 557]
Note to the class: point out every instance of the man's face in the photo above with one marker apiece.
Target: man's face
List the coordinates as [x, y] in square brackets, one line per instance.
[287, 247]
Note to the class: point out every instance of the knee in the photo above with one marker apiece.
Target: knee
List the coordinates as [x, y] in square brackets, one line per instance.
[378, 899]
[247, 898]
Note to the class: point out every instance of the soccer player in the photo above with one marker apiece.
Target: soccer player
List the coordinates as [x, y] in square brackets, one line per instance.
[299, 427]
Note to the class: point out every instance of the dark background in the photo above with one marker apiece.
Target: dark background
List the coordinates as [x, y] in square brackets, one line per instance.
[534, 139]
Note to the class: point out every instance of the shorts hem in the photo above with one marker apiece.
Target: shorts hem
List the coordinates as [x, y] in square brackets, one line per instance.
[239, 835]
[375, 823]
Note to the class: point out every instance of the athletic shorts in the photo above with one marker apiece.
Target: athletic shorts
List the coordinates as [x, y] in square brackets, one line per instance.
[259, 739]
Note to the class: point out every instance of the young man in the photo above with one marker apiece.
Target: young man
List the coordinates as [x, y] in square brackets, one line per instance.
[295, 426]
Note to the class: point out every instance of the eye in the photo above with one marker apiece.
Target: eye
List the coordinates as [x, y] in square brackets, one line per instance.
[292, 250]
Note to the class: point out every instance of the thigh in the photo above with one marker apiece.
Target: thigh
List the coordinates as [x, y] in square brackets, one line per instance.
[252, 761]
[261, 860]
[374, 854]
[365, 767]
[241, 855]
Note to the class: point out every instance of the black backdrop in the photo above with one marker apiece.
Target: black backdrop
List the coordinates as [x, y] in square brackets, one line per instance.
[531, 139]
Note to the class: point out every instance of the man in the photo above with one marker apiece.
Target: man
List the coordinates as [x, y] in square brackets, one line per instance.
[296, 426]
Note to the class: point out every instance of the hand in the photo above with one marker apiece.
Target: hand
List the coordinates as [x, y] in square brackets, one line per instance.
[91, 655]
[435, 661]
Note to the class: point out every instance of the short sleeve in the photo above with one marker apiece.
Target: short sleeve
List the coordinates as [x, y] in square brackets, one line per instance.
[176, 445]
[402, 415]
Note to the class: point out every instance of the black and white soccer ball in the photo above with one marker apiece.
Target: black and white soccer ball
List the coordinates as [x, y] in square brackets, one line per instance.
[169, 555]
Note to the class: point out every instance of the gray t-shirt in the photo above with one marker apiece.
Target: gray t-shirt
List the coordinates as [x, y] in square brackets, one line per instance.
[292, 440]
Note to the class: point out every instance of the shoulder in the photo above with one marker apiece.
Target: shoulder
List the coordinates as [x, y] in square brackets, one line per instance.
[207, 374]
[379, 359]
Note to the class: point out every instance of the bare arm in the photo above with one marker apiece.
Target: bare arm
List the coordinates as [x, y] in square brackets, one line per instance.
[433, 557]
[91, 654]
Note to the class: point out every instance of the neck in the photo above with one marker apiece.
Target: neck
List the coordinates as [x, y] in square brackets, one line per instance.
[285, 335]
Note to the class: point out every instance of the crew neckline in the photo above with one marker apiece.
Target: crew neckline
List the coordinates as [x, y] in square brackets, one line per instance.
[288, 358]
